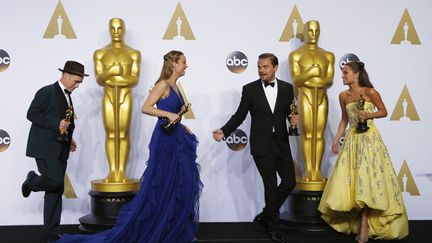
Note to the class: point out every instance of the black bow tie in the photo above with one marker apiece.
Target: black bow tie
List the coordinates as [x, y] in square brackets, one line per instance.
[267, 84]
[68, 96]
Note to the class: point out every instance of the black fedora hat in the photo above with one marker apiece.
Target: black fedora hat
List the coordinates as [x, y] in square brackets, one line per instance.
[75, 68]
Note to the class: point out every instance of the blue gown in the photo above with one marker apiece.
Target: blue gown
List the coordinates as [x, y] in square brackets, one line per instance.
[166, 207]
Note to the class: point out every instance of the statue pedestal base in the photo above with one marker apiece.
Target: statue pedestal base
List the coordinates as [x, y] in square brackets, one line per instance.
[106, 201]
[124, 185]
[105, 207]
[303, 216]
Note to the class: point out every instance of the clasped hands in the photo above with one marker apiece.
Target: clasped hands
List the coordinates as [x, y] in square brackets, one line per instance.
[116, 69]
[116, 76]
[314, 76]
[315, 70]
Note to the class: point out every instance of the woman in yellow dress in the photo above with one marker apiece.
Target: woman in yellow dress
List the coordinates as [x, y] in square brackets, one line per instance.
[362, 195]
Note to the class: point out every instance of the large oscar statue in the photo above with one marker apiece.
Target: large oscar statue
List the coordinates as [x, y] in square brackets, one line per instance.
[312, 71]
[117, 71]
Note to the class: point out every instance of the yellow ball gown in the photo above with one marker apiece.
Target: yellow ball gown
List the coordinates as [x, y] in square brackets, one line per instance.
[364, 177]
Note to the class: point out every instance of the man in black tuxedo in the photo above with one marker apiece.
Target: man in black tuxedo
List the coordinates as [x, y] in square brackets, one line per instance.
[45, 143]
[268, 100]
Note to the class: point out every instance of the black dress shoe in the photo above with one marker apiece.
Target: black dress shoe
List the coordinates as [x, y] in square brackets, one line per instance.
[54, 237]
[25, 189]
[276, 236]
[262, 220]
[259, 218]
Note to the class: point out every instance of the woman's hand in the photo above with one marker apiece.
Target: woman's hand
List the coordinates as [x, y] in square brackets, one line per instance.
[173, 117]
[335, 146]
[363, 115]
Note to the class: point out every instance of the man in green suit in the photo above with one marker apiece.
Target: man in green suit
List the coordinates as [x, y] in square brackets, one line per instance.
[50, 141]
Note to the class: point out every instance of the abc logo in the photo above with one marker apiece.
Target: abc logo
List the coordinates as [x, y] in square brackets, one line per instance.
[236, 62]
[237, 140]
[4, 60]
[4, 140]
[349, 57]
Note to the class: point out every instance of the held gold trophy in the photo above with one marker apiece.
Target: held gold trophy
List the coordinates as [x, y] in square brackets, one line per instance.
[293, 129]
[169, 125]
[312, 71]
[362, 124]
[117, 71]
[63, 136]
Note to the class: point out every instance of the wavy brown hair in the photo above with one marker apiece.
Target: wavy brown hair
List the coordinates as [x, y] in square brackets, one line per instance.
[167, 68]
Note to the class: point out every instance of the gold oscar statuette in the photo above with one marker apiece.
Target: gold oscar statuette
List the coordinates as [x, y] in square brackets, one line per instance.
[63, 136]
[117, 69]
[169, 125]
[312, 71]
[362, 124]
[293, 129]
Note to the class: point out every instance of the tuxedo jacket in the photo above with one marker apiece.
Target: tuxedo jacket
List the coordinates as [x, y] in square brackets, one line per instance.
[46, 111]
[254, 100]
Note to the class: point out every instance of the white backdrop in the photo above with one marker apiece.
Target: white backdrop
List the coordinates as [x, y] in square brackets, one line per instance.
[233, 189]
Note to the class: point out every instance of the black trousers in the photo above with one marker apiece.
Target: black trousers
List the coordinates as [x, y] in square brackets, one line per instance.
[269, 166]
[51, 181]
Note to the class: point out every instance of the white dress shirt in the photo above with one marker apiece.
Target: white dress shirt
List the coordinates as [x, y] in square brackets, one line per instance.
[66, 95]
[271, 93]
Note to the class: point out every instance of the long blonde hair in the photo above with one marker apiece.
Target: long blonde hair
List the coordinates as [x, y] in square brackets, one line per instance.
[167, 68]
